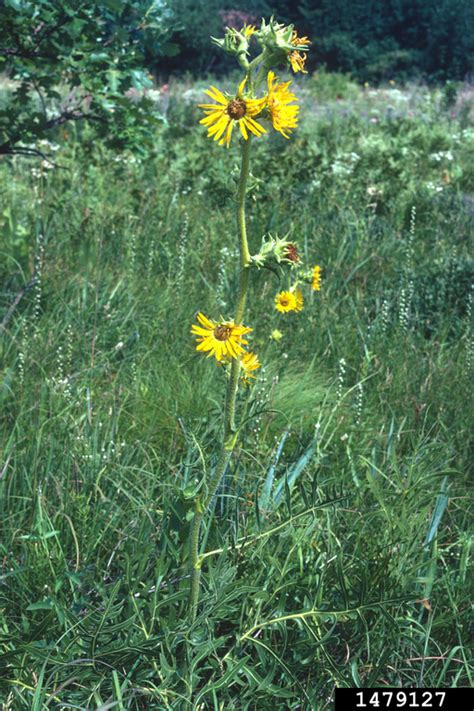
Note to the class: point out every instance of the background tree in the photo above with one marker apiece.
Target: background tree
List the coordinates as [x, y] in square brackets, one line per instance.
[373, 39]
[69, 60]
[395, 38]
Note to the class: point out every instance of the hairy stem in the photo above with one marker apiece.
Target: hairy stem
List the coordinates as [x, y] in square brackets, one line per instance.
[230, 431]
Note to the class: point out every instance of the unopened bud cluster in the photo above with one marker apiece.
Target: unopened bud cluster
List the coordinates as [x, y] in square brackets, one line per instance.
[235, 42]
[275, 250]
[280, 44]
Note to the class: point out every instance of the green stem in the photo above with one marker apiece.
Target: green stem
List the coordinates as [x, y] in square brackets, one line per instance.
[230, 432]
[260, 75]
[244, 247]
[229, 423]
[255, 61]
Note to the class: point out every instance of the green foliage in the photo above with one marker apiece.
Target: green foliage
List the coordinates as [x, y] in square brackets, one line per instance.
[329, 86]
[375, 41]
[394, 39]
[198, 20]
[74, 61]
[346, 506]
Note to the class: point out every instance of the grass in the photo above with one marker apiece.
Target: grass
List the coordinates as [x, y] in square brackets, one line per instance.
[339, 545]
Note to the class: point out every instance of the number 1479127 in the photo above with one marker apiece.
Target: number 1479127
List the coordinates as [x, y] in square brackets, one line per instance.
[398, 699]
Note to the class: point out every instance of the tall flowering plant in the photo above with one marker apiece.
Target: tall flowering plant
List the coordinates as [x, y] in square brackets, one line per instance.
[261, 103]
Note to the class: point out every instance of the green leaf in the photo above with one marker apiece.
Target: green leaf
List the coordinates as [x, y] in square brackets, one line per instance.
[46, 604]
[439, 509]
[293, 473]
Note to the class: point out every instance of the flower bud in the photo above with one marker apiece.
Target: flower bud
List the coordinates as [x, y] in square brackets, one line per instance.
[276, 249]
[234, 42]
[276, 335]
[286, 251]
[266, 253]
[279, 42]
[275, 36]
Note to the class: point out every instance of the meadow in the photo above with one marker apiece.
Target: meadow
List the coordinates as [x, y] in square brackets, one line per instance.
[339, 542]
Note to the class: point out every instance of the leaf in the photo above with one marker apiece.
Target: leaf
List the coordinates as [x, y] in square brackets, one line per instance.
[140, 79]
[264, 498]
[46, 604]
[38, 537]
[293, 473]
[439, 509]
[170, 49]
[231, 675]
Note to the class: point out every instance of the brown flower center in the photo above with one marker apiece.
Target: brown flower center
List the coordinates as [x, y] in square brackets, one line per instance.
[222, 332]
[284, 301]
[236, 109]
[291, 252]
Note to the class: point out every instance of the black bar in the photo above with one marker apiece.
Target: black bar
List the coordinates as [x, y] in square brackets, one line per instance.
[395, 699]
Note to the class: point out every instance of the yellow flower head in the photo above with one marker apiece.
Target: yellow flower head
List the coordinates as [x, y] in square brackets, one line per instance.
[316, 278]
[276, 335]
[221, 118]
[300, 41]
[248, 30]
[249, 362]
[283, 113]
[223, 339]
[287, 301]
[297, 59]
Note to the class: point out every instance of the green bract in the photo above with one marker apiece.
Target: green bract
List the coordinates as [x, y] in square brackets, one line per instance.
[277, 41]
[274, 250]
[234, 42]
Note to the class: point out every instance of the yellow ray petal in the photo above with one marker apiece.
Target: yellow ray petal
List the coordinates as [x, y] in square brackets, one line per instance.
[241, 87]
[255, 127]
[243, 128]
[217, 95]
[218, 128]
[205, 321]
[226, 138]
[212, 107]
[200, 331]
[209, 120]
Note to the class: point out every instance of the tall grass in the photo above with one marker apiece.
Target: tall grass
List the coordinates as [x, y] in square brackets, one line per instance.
[343, 546]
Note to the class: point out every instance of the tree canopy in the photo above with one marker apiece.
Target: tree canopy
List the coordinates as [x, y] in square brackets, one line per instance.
[70, 60]
[373, 39]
